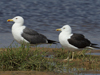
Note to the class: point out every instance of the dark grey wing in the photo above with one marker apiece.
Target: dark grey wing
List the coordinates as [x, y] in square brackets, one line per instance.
[79, 41]
[30, 31]
[33, 37]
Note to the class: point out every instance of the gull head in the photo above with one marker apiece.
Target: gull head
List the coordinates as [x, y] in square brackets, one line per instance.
[17, 19]
[65, 28]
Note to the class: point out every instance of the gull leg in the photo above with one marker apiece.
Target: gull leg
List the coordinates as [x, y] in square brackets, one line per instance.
[68, 57]
[72, 55]
[11, 43]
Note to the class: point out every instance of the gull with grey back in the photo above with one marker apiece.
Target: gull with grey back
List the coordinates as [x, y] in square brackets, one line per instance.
[24, 35]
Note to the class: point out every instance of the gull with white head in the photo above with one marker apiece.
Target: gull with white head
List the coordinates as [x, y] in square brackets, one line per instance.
[24, 35]
[73, 41]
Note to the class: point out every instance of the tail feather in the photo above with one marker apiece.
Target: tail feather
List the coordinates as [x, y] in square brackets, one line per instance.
[52, 42]
[94, 46]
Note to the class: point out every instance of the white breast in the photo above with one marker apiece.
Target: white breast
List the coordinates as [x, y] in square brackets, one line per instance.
[17, 31]
[63, 39]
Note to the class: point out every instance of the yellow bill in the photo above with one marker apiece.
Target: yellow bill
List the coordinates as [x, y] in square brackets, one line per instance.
[9, 20]
[58, 29]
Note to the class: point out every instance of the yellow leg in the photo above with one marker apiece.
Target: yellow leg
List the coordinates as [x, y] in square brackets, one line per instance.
[72, 55]
[71, 58]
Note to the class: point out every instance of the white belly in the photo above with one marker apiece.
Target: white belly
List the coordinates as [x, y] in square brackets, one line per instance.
[64, 42]
[17, 35]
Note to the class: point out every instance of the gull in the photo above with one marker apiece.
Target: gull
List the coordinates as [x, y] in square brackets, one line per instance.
[73, 41]
[24, 35]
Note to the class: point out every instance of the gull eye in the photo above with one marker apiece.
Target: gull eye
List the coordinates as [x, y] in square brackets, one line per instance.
[63, 28]
[16, 18]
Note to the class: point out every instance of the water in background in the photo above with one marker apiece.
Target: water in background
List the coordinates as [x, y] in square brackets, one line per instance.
[45, 16]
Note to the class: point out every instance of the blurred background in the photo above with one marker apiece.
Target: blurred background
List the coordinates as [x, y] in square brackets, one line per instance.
[45, 16]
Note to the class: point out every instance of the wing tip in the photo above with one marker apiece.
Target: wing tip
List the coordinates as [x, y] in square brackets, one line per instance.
[52, 42]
